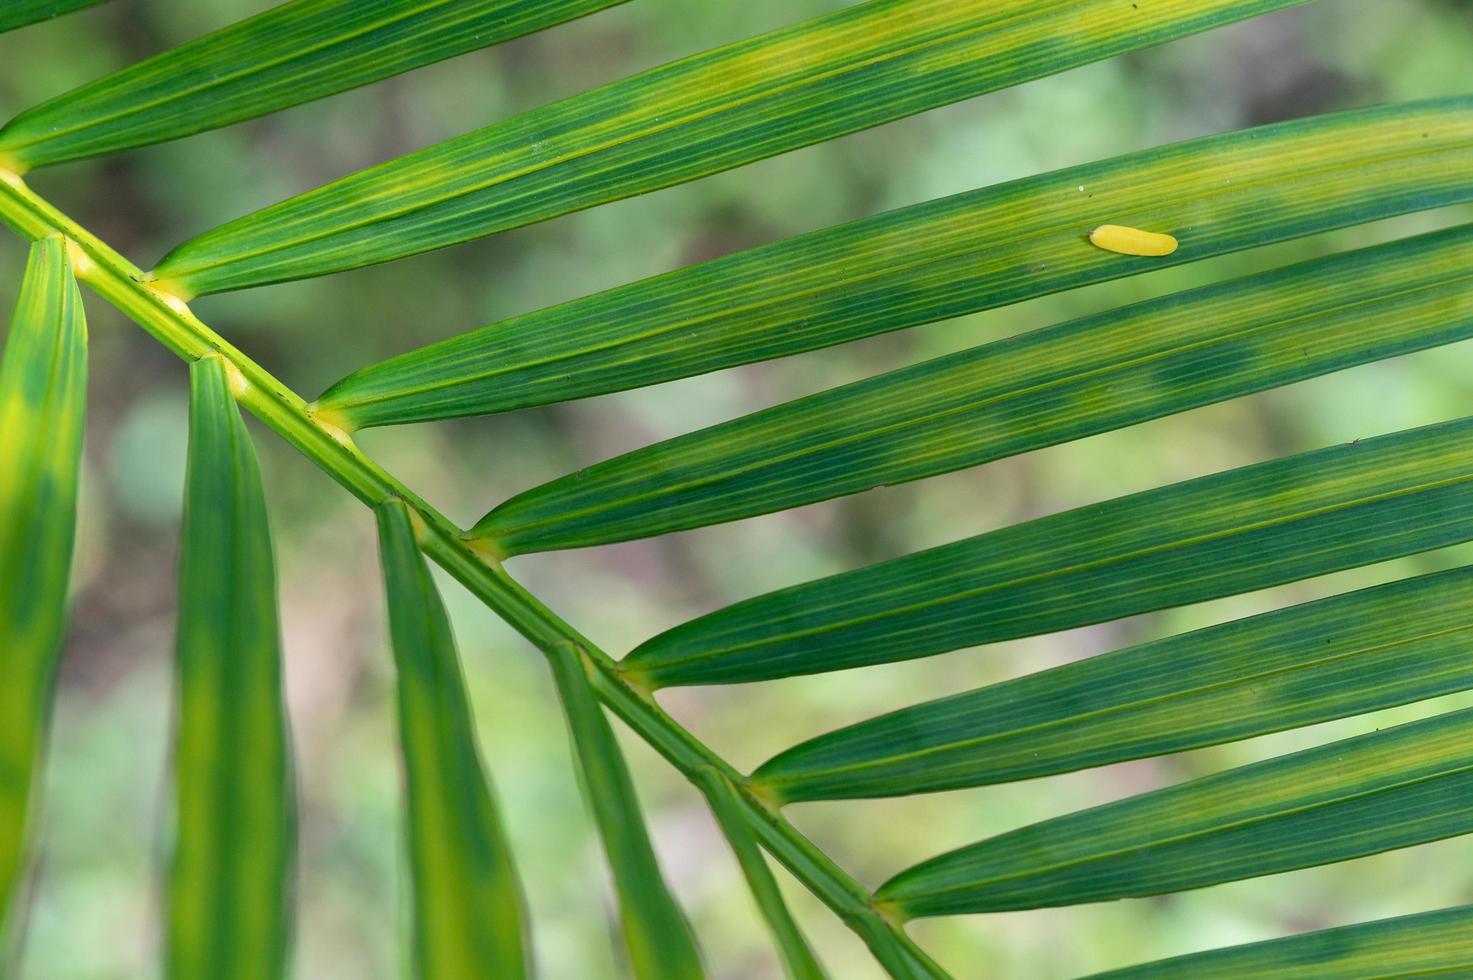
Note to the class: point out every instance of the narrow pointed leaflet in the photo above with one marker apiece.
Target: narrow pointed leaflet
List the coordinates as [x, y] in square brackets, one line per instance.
[1393, 788]
[19, 13]
[229, 910]
[1393, 644]
[43, 395]
[1002, 399]
[797, 957]
[658, 938]
[1433, 943]
[1231, 532]
[858, 67]
[945, 258]
[469, 919]
[295, 53]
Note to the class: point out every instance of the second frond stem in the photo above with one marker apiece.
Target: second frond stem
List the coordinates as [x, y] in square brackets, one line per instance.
[173, 324]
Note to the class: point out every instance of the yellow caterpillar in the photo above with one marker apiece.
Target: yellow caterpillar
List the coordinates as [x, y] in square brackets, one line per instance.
[1132, 241]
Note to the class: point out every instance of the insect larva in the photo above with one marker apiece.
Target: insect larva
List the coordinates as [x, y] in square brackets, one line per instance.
[1131, 241]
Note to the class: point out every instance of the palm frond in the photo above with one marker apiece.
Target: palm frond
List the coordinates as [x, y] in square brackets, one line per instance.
[1392, 644]
[861, 66]
[855, 68]
[1219, 535]
[797, 957]
[1388, 789]
[1431, 944]
[469, 920]
[43, 394]
[295, 53]
[975, 251]
[229, 904]
[1051, 386]
[658, 938]
[19, 13]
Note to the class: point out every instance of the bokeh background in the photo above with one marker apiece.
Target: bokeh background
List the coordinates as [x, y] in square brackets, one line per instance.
[94, 909]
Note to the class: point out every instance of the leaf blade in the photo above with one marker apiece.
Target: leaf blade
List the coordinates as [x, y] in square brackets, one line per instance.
[294, 53]
[852, 69]
[1337, 657]
[469, 915]
[957, 255]
[798, 958]
[1439, 942]
[1223, 534]
[21, 13]
[1389, 789]
[1040, 389]
[228, 883]
[43, 394]
[659, 940]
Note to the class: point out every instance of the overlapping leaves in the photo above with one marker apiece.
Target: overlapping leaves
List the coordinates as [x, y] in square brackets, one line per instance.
[858, 67]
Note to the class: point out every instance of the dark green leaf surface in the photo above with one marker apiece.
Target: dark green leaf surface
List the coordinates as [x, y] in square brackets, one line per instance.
[945, 258]
[43, 395]
[19, 13]
[1042, 388]
[1393, 788]
[857, 67]
[1231, 532]
[660, 944]
[294, 53]
[1342, 656]
[1433, 943]
[797, 957]
[229, 911]
[469, 923]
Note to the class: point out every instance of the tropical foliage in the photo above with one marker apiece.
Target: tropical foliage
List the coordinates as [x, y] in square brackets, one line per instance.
[232, 843]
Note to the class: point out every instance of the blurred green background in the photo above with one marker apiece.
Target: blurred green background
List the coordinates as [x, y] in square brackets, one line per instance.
[94, 908]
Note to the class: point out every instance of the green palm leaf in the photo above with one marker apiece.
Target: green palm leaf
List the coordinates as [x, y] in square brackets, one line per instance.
[1434, 943]
[1342, 656]
[43, 394]
[468, 916]
[1389, 789]
[655, 931]
[1043, 388]
[294, 53]
[19, 13]
[1232, 532]
[797, 957]
[861, 66]
[855, 68]
[228, 902]
[975, 251]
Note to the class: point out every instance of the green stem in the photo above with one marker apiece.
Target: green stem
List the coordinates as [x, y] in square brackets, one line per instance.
[171, 323]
